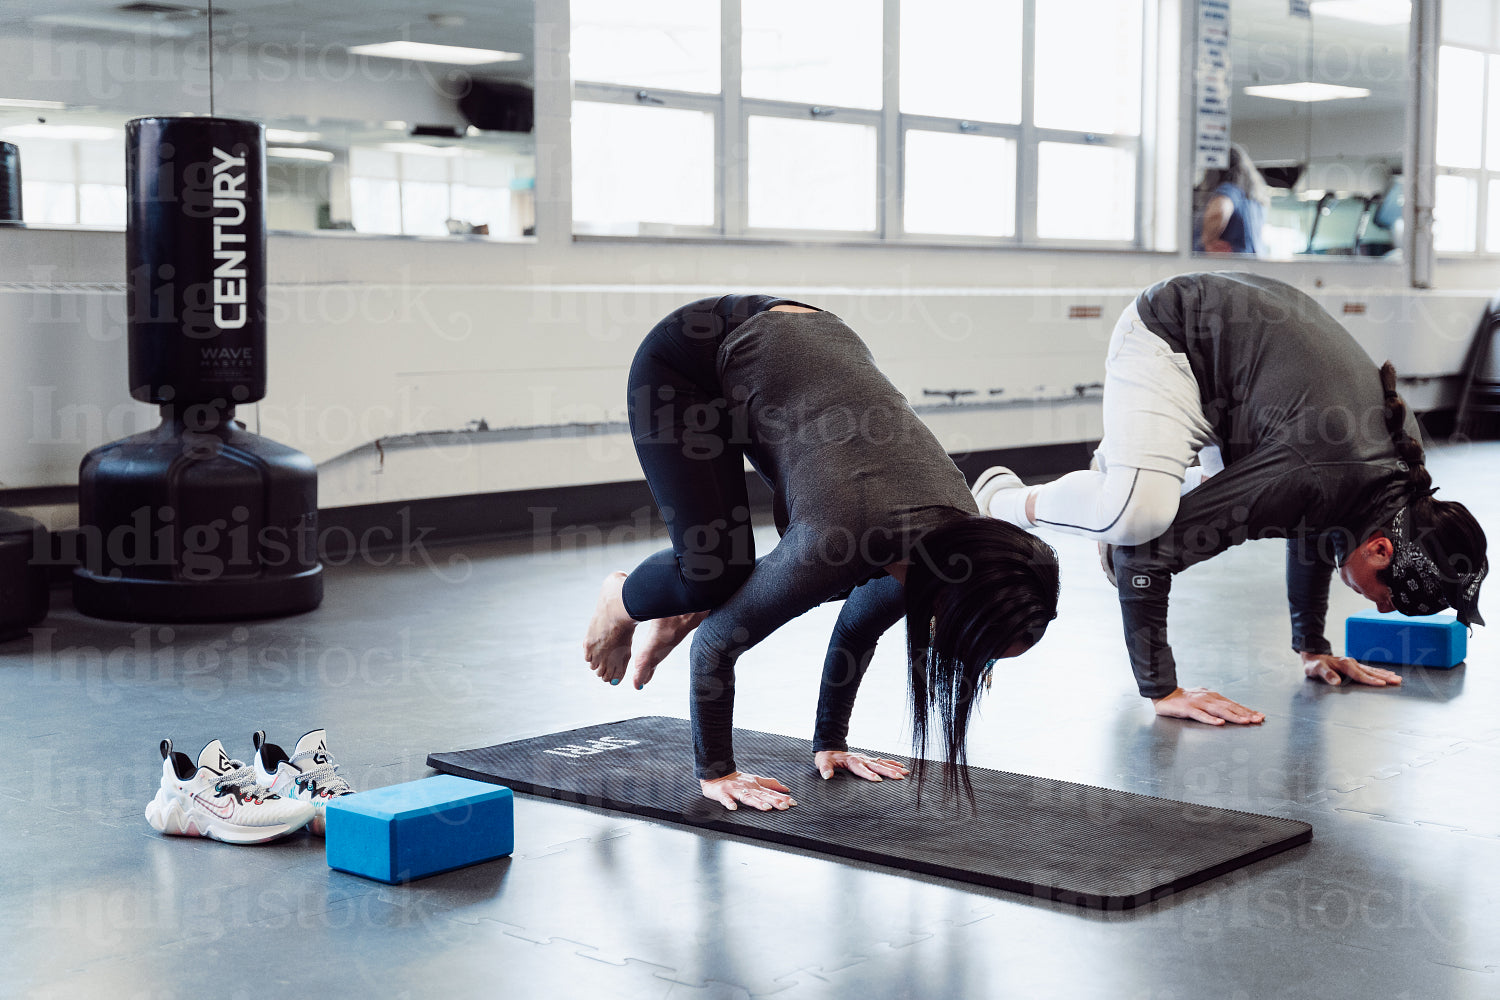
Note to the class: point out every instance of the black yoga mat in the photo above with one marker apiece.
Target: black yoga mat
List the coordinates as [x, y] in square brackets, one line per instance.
[1055, 839]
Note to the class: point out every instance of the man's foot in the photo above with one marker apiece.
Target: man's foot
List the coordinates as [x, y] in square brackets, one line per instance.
[1000, 493]
[657, 638]
[606, 644]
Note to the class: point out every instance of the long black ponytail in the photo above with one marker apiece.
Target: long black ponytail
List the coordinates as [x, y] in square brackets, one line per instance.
[976, 588]
[1408, 450]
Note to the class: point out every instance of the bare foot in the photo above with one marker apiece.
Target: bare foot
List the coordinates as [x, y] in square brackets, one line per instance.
[606, 644]
[658, 638]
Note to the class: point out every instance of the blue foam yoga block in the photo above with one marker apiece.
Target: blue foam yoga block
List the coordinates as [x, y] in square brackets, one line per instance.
[409, 831]
[1419, 640]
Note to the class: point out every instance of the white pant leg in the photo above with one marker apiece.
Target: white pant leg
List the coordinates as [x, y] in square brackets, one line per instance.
[1123, 506]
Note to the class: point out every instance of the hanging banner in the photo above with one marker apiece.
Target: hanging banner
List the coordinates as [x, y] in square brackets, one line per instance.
[1211, 140]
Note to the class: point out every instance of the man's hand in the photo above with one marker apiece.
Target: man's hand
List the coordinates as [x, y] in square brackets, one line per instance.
[754, 790]
[859, 765]
[1332, 669]
[1203, 705]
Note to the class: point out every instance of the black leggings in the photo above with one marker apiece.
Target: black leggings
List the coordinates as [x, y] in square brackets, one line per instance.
[693, 455]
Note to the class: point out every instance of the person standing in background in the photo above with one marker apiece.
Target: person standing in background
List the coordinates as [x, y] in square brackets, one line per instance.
[1235, 213]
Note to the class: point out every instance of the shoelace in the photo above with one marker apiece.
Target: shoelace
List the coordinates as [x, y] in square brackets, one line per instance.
[241, 777]
[325, 777]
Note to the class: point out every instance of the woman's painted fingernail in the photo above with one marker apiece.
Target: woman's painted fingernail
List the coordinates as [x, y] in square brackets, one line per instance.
[615, 681]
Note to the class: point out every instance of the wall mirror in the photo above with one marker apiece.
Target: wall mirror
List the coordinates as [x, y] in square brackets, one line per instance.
[1317, 95]
[382, 118]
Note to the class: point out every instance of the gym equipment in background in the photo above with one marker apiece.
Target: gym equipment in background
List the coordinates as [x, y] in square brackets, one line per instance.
[409, 831]
[198, 519]
[1079, 844]
[1418, 640]
[498, 106]
[1479, 386]
[10, 183]
[23, 582]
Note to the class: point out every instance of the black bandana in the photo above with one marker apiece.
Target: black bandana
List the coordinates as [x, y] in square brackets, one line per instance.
[1419, 587]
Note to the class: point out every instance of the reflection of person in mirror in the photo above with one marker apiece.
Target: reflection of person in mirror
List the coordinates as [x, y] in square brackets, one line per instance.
[1235, 213]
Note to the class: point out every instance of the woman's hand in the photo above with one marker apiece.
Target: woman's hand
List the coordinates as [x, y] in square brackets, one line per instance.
[1331, 669]
[1203, 705]
[754, 790]
[860, 765]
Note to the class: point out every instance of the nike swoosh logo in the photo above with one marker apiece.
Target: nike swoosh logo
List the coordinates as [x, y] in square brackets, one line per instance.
[223, 810]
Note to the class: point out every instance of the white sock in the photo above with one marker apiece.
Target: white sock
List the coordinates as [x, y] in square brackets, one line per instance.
[1010, 505]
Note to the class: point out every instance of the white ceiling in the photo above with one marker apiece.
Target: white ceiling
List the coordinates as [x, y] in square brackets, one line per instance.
[1269, 45]
[491, 24]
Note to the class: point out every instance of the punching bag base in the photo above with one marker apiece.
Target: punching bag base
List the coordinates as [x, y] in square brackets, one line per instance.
[125, 599]
[23, 584]
[197, 522]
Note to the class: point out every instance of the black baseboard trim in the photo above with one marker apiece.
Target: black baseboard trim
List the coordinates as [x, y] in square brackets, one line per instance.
[546, 512]
[346, 533]
[39, 496]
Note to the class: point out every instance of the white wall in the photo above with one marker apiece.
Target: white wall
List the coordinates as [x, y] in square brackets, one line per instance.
[378, 337]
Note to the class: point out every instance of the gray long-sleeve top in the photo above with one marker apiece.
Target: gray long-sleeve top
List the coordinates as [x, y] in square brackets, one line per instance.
[1298, 408]
[857, 480]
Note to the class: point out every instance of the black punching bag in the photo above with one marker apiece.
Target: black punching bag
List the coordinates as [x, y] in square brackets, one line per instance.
[198, 519]
[24, 543]
[10, 183]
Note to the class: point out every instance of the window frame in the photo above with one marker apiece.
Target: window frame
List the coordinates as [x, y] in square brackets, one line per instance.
[732, 111]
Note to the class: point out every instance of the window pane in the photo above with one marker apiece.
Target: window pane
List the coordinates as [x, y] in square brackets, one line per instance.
[1492, 129]
[640, 164]
[671, 44]
[826, 53]
[970, 73]
[1460, 91]
[963, 185]
[54, 159]
[431, 164]
[48, 201]
[1455, 214]
[1088, 65]
[811, 174]
[1084, 192]
[102, 162]
[374, 204]
[424, 208]
[1492, 224]
[483, 206]
[101, 204]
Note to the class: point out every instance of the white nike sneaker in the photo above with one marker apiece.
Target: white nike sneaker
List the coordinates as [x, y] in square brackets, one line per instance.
[219, 798]
[308, 775]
